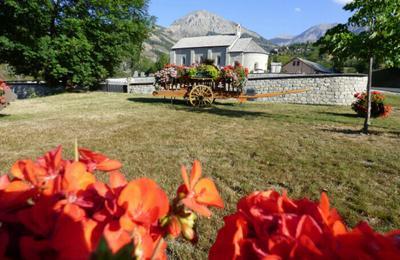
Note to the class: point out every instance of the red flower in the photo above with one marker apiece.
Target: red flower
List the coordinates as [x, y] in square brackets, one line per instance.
[269, 226]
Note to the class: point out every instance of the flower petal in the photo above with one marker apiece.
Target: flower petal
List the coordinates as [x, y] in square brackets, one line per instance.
[76, 177]
[117, 180]
[116, 237]
[185, 177]
[207, 193]
[195, 174]
[199, 208]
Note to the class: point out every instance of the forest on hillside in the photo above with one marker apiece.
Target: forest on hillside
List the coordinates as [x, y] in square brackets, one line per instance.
[311, 51]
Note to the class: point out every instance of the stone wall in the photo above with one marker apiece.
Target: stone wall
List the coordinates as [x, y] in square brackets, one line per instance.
[328, 89]
[31, 89]
[141, 85]
[324, 89]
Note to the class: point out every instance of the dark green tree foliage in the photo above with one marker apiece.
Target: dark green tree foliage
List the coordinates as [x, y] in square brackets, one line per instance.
[379, 37]
[72, 42]
[162, 60]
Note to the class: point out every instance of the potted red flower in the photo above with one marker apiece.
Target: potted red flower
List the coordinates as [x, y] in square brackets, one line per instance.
[378, 107]
[6, 95]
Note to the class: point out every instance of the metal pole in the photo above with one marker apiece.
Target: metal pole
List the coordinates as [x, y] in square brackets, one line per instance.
[369, 98]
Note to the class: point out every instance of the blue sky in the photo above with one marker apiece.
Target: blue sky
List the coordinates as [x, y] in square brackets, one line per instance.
[266, 17]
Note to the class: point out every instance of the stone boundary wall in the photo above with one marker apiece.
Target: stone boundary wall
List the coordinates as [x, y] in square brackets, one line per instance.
[141, 85]
[31, 89]
[323, 89]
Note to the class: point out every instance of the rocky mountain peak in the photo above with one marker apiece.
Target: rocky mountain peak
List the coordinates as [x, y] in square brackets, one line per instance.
[200, 23]
[312, 34]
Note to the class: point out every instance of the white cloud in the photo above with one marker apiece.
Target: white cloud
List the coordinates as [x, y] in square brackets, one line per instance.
[297, 9]
[342, 2]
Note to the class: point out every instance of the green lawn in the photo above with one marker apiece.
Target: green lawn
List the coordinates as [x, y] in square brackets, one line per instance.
[254, 146]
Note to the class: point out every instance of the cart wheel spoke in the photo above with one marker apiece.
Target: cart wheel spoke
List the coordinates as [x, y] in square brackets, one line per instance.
[201, 95]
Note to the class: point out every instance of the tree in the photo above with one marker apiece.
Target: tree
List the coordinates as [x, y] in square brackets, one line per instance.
[378, 38]
[162, 60]
[71, 42]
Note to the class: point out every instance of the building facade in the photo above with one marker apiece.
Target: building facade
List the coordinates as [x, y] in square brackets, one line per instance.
[222, 49]
[303, 66]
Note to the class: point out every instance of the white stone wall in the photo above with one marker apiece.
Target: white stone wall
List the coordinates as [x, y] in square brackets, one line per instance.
[322, 89]
[141, 85]
[250, 59]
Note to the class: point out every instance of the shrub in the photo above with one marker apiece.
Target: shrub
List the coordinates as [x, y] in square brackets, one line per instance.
[3, 88]
[204, 71]
[378, 107]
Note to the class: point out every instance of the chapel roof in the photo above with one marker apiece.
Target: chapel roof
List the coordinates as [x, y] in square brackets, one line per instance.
[247, 45]
[205, 41]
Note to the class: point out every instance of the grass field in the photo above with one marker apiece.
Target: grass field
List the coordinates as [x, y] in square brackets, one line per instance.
[255, 146]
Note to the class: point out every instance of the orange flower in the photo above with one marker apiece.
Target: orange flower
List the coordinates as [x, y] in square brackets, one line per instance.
[144, 204]
[98, 161]
[44, 173]
[74, 187]
[199, 193]
[144, 201]
[56, 209]
[14, 195]
[29, 171]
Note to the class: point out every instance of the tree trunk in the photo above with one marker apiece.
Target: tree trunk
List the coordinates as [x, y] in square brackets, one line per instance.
[369, 97]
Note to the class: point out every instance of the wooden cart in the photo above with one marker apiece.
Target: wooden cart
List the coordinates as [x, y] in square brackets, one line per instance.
[202, 92]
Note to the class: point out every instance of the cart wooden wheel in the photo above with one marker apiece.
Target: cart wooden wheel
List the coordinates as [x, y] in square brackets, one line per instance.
[201, 96]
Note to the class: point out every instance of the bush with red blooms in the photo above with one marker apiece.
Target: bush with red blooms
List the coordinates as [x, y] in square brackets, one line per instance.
[236, 75]
[268, 225]
[3, 89]
[54, 208]
[378, 107]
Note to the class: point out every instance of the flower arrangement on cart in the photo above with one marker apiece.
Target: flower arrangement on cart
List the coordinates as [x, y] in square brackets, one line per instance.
[201, 84]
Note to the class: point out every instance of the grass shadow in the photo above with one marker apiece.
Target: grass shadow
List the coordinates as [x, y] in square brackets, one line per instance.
[215, 109]
[4, 115]
[144, 100]
[352, 115]
[179, 101]
[354, 132]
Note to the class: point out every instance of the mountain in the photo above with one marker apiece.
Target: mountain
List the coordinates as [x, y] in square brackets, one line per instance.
[198, 23]
[160, 41]
[281, 40]
[312, 34]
